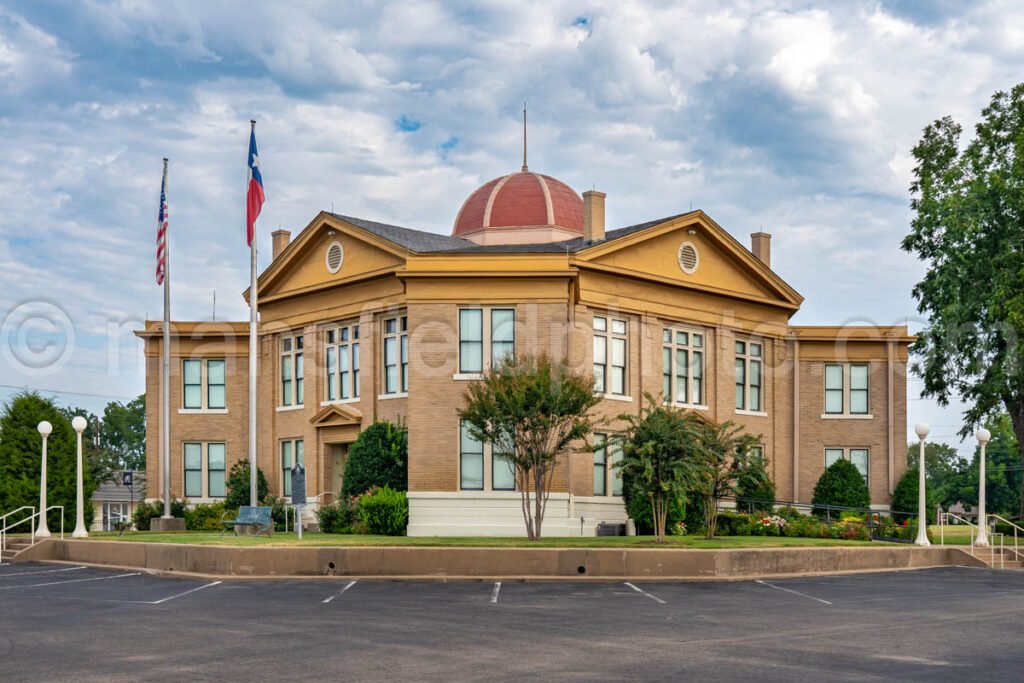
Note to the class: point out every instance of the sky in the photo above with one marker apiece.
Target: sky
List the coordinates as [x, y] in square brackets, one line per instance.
[793, 117]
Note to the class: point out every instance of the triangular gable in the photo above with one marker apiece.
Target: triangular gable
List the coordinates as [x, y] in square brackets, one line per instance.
[303, 266]
[337, 415]
[724, 265]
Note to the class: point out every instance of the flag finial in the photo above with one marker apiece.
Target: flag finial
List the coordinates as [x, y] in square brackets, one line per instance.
[525, 168]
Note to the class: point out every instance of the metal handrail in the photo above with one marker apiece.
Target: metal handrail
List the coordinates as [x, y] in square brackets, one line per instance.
[1016, 528]
[3, 530]
[943, 517]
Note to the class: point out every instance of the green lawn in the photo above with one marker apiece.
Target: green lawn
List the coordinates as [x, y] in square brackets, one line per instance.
[318, 539]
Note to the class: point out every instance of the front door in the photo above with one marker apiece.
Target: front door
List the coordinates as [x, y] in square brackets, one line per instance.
[339, 454]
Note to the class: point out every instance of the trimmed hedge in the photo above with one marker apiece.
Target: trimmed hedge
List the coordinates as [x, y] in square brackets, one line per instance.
[144, 512]
[385, 512]
[841, 485]
[379, 457]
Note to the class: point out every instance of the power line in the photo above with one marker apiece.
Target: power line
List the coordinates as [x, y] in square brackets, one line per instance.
[67, 393]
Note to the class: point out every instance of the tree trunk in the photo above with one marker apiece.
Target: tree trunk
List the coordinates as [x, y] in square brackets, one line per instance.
[1017, 418]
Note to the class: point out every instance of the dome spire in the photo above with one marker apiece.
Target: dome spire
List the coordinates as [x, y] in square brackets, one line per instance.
[525, 169]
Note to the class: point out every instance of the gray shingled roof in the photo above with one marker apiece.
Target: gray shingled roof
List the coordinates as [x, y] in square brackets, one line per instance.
[113, 492]
[422, 242]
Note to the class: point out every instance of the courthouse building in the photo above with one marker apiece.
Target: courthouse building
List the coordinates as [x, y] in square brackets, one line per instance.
[363, 321]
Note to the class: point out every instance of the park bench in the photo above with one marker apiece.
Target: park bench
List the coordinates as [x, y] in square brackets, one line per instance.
[248, 516]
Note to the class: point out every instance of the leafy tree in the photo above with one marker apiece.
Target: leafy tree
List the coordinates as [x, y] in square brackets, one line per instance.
[659, 458]
[841, 485]
[722, 451]
[123, 433]
[530, 409]
[904, 497]
[238, 485]
[21, 457]
[755, 485]
[379, 457]
[942, 467]
[968, 204]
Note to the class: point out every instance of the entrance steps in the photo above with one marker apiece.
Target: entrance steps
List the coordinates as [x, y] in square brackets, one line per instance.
[997, 557]
[14, 546]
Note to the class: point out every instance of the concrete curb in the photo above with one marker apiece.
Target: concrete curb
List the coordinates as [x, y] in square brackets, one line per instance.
[390, 563]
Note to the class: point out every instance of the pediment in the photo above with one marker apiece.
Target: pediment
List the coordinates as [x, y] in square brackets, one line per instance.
[337, 415]
[328, 252]
[722, 265]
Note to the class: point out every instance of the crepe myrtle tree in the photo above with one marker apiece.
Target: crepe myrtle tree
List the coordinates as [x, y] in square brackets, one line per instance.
[968, 213]
[722, 452]
[530, 409]
[659, 457]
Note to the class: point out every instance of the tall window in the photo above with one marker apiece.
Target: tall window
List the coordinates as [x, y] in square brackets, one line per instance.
[292, 371]
[846, 389]
[480, 464]
[203, 384]
[485, 328]
[607, 477]
[292, 451]
[859, 457]
[682, 354]
[610, 346]
[396, 355]
[204, 470]
[749, 376]
[342, 344]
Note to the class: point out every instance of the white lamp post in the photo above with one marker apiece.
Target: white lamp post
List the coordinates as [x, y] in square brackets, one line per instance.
[983, 436]
[921, 429]
[79, 424]
[41, 529]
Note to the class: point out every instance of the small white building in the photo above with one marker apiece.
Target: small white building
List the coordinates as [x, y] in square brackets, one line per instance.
[113, 501]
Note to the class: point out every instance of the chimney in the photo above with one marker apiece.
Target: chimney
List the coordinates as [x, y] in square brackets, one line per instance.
[761, 245]
[593, 216]
[281, 239]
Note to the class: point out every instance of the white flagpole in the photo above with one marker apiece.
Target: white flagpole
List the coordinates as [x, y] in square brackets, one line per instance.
[253, 323]
[165, 398]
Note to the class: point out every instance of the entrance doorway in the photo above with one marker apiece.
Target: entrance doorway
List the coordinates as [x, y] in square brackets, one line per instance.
[339, 454]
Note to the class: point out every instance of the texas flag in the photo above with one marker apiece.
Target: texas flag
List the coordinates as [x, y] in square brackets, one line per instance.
[254, 200]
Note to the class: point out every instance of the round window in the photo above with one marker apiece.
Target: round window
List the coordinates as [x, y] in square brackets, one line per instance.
[335, 257]
[688, 258]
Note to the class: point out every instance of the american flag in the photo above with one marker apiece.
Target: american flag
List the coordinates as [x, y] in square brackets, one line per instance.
[161, 231]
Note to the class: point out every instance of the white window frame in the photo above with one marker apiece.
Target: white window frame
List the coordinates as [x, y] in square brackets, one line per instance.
[746, 358]
[204, 386]
[607, 452]
[847, 392]
[122, 514]
[695, 346]
[400, 337]
[342, 341]
[292, 348]
[607, 331]
[847, 454]
[296, 449]
[486, 341]
[204, 470]
[490, 463]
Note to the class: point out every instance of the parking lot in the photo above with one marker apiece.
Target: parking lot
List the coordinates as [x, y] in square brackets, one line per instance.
[59, 622]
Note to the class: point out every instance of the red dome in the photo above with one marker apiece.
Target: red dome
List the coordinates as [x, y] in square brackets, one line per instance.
[521, 200]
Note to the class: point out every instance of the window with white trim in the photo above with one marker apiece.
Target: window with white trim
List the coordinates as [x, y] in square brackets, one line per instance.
[395, 367]
[480, 467]
[846, 388]
[342, 362]
[292, 451]
[114, 513]
[203, 384]
[493, 329]
[607, 477]
[205, 464]
[611, 346]
[860, 457]
[682, 366]
[749, 376]
[292, 371]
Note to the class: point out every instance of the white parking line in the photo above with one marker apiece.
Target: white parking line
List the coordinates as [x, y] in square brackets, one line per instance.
[57, 583]
[339, 593]
[802, 595]
[172, 597]
[494, 593]
[42, 571]
[643, 592]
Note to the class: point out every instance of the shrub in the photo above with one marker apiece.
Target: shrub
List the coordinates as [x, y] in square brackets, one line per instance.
[638, 507]
[840, 485]
[754, 484]
[733, 524]
[790, 514]
[238, 485]
[147, 511]
[379, 457]
[277, 511]
[904, 497]
[205, 517]
[340, 516]
[385, 512]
